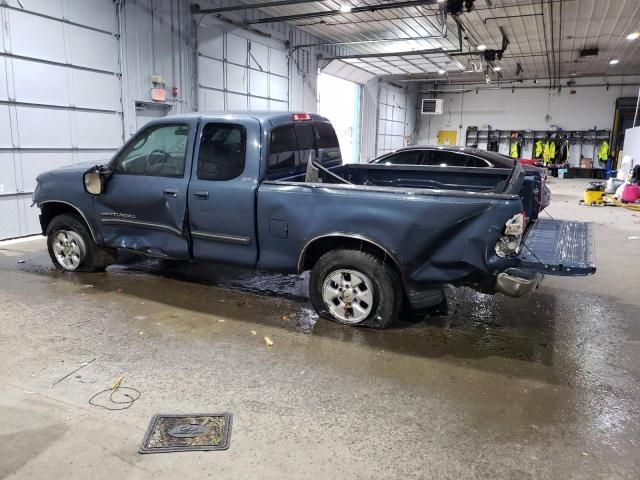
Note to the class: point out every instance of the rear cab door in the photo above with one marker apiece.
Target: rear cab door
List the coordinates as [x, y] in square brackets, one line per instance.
[222, 191]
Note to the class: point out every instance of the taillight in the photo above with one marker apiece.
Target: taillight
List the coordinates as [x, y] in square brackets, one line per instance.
[509, 243]
[300, 116]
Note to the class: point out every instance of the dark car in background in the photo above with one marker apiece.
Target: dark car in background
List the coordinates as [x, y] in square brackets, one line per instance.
[447, 156]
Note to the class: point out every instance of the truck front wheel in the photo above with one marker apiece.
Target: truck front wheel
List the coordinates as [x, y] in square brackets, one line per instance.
[72, 248]
[355, 288]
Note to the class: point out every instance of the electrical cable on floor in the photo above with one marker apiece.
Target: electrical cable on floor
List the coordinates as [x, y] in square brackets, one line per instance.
[117, 404]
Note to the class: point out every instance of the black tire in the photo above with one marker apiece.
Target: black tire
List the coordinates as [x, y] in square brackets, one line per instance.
[387, 289]
[96, 258]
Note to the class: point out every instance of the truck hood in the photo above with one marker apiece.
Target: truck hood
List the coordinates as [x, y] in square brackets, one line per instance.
[69, 170]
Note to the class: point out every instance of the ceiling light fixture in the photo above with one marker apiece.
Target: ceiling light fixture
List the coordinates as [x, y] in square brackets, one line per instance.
[615, 61]
[441, 1]
[344, 8]
[497, 69]
[481, 47]
[633, 36]
[441, 72]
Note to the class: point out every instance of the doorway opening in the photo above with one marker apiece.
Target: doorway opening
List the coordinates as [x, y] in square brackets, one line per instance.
[339, 101]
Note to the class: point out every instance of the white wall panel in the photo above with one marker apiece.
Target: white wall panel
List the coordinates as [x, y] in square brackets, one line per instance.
[97, 130]
[94, 13]
[237, 79]
[34, 36]
[259, 57]
[93, 49]
[210, 100]
[32, 164]
[5, 127]
[95, 90]
[210, 72]
[278, 106]
[30, 222]
[3, 79]
[279, 87]
[259, 83]
[211, 42]
[10, 224]
[37, 82]
[44, 127]
[236, 49]
[8, 183]
[278, 63]
[52, 8]
[258, 103]
[237, 102]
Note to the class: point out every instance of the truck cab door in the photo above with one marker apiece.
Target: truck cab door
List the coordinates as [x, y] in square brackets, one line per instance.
[144, 202]
[222, 191]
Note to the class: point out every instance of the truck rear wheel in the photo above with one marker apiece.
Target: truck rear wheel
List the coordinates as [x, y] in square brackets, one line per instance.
[355, 288]
[72, 248]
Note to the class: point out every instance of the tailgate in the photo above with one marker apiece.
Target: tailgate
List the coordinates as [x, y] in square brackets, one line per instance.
[559, 247]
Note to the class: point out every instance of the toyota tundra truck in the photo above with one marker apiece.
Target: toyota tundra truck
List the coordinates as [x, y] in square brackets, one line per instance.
[269, 191]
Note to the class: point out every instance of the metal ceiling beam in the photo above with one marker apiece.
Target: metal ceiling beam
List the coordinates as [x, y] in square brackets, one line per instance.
[429, 51]
[195, 9]
[331, 13]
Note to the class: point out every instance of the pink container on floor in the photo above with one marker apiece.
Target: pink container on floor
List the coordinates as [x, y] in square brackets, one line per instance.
[631, 193]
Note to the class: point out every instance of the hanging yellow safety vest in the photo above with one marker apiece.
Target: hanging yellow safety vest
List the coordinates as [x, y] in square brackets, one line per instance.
[539, 149]
[546, 153]
[514, 150]
[552, 151]
[603, 151]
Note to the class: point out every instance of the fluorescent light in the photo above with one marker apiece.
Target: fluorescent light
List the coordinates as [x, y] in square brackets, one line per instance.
[441, 1]
[615, 61]
[633, 36]
[481, 47]
[441, 72]
[497, 69]
[344, 8]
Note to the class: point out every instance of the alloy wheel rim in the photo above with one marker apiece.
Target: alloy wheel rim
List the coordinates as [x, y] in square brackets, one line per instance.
[69, 249]
[348, 294]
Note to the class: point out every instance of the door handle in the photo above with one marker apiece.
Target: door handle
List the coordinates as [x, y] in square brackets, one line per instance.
[170, 192]
[201, 194]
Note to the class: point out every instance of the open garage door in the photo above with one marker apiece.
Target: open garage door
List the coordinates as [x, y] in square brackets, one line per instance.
[395, 119]
[59, 96]
[239, 72]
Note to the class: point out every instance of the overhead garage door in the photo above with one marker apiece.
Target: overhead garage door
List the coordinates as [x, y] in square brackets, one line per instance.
[393, 121]
[240, 73]
[59, 96]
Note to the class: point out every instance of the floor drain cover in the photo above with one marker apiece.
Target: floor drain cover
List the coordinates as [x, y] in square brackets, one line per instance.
[181, 433]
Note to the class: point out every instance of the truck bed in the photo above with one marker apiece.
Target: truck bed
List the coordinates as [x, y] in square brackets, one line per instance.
[494, 180]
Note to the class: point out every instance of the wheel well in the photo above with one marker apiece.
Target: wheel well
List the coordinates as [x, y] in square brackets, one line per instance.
[319, 247]
[50, 210]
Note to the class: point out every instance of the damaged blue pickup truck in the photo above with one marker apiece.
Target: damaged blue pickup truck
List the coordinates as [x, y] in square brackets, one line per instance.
[269, 191]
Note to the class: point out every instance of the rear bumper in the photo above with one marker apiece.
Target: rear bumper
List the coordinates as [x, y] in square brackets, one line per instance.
[516, 282]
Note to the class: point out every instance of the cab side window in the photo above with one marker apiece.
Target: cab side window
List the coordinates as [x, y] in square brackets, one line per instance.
[158, 151]
[283, 149]
[222, 151]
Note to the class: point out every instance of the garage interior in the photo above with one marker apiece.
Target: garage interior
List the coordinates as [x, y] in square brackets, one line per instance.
[546, 386]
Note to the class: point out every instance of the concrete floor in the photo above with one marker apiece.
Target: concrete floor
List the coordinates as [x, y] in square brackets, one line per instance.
[545, 387]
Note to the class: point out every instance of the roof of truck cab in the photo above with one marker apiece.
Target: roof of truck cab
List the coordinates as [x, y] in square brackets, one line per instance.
[262, 116]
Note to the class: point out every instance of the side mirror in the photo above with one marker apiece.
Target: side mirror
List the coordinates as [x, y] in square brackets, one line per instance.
[94, 181]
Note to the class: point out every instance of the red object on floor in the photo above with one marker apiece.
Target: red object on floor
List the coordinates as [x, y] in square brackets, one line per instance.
[631, 193]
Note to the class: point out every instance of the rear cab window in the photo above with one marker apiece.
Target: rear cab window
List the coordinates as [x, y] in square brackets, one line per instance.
[291, 145]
